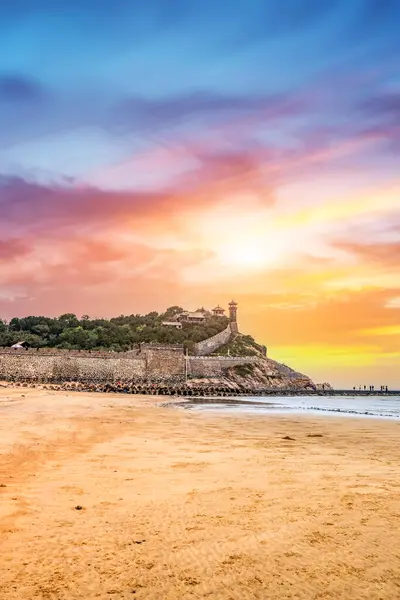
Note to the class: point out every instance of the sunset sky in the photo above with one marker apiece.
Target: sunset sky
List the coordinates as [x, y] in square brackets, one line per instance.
[163, 152]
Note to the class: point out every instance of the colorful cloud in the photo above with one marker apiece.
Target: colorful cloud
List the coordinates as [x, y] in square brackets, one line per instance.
[171, 154]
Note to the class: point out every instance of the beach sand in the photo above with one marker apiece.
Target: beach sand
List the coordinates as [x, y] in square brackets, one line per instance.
[183, 505]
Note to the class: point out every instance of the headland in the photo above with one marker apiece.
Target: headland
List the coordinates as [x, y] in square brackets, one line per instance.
[177, 352]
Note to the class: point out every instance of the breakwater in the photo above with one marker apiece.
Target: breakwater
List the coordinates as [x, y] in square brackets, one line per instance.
[199, 390]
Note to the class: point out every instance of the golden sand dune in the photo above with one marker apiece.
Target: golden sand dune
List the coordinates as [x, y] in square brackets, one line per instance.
[111, 498]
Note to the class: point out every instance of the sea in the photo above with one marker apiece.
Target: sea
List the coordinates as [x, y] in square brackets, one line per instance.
[382, 407]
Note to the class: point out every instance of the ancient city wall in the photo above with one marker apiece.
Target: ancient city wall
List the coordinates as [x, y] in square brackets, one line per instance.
[155, 363]
[69, 368]
[213, 343]
[164, 363]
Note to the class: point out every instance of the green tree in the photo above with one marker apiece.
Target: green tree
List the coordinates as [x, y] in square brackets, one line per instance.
[15, 324]
[172, 312]
[68, 320]
[118, 333]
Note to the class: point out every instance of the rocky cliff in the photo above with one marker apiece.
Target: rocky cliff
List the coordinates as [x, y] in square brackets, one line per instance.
[262, 373]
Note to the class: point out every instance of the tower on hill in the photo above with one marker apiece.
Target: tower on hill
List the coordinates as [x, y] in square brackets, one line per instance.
[233, 317]
[233, 311]
[218, 311]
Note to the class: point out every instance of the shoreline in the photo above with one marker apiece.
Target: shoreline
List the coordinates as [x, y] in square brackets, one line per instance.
[300, 405]
[188, 390]
[244, 405]
[106, 496]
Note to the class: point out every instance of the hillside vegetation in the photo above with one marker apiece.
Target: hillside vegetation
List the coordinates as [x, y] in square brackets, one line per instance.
[241, 345]
[117, 334]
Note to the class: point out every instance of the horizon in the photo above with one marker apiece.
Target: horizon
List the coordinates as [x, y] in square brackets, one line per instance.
[168, 154]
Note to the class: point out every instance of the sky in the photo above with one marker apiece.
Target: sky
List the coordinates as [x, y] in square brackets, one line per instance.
[165, 152]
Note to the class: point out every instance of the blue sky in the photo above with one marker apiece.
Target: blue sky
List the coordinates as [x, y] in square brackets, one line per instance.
[66, 69]
[180, 145]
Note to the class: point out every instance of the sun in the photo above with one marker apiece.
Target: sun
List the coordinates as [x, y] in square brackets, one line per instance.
[246, 254]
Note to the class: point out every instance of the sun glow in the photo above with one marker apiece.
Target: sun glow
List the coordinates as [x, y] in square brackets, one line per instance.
[249, 254]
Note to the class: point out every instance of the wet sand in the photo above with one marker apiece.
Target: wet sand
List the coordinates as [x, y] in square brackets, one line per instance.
[183, 505]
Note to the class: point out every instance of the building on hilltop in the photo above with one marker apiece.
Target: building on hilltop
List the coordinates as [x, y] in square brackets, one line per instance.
[218, 311]
[201, 314]
[175, 324]
[192, 317]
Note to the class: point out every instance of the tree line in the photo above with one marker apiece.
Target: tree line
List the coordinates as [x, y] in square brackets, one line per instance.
[118, 333]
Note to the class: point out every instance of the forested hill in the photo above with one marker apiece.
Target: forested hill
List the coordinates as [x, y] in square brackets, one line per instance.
[118, 334]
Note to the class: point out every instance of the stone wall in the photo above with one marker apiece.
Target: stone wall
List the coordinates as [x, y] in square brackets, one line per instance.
[164, 363]
[50, 364]
[154, 362]
[212, 344]
[213, 366]
[53, 367]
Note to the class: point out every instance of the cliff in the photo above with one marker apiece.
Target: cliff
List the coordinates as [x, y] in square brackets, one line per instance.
[267, 373]
[255, 373]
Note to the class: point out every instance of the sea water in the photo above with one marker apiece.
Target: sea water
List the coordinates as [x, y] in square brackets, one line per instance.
[359, 406]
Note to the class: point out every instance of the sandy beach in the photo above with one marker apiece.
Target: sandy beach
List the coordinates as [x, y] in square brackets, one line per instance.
[108, 496]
